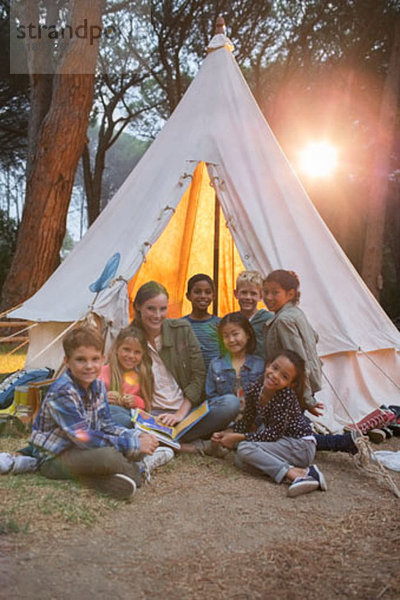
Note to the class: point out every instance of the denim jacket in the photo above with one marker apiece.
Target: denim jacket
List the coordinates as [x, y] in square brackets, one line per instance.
[221, 375]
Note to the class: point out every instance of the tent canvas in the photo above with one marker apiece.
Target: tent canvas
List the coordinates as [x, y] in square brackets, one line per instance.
[273, 224]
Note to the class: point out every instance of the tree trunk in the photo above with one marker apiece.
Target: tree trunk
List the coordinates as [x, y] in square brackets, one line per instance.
[60, 141]
[373, 248]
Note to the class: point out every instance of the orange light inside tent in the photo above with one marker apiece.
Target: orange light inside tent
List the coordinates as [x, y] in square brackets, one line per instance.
[186, 247]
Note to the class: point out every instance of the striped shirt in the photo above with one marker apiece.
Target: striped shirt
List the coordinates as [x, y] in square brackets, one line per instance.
[207, 335]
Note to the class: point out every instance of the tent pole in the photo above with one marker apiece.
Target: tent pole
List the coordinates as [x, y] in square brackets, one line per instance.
[216, 254]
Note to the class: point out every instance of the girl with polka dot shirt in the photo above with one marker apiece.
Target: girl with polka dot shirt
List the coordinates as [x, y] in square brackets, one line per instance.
[273, 436]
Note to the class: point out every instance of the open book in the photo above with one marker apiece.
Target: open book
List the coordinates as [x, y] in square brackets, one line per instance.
[168, 435]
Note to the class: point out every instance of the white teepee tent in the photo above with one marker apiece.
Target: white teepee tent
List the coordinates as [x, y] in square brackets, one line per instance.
[273, 224]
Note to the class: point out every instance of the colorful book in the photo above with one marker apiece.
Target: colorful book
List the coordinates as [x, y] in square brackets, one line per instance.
[168, 435]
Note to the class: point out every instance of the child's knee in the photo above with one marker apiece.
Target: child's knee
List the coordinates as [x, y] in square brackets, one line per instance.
[231, 404]
[244, 449]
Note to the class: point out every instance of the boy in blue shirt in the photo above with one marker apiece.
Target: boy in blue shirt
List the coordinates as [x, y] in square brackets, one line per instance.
[73, 432]
[200, 293]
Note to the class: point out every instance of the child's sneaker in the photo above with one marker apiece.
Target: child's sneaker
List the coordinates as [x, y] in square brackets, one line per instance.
[209, 448]
[388, 432]
[314, 472]
[118, 486]
[313, 480]
[25, 464]
[161, 456]
[380, 417]
[302, 485]
[6, 462]
[395, 428]
[377, 436]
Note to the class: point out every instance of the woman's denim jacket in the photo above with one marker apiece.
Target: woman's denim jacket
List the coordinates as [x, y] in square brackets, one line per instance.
[221, 375]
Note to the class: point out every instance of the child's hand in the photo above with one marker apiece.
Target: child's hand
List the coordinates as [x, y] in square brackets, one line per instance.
[113, 397]
[128, 401]
[217, 436]
[148, 443]
[316, 410]
[229, 439]
[169, 419]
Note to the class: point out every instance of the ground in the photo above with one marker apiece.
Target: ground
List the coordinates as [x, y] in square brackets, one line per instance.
[202, 529]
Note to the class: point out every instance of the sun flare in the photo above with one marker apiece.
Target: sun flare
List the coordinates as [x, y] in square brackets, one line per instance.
[318, 159]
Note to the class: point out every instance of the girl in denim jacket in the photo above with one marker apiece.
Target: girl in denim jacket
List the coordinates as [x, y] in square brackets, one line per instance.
[237, 368]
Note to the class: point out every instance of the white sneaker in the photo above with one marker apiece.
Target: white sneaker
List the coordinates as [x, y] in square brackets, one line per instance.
[118, 486]
[6, 462]
[25, 464]
[161, 456]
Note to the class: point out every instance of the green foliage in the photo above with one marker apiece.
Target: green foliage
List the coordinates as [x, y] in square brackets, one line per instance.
[8, 240]
[121, 159]
[14, 100]
[68, 245]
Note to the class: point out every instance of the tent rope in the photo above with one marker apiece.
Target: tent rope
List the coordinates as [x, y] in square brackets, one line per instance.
[365, 459]
[21, 345]
[8, 310]
[378, 367]
[60, 335]
[12, 335]
[340, 401]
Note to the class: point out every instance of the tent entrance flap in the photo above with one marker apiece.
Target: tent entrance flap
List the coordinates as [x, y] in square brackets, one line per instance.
[186, 247]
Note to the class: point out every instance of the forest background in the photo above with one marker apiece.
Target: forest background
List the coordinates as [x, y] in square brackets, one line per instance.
[319, 70]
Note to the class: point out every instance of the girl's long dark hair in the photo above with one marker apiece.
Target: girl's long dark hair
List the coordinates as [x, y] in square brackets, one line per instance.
[300, 366]
[238, 319]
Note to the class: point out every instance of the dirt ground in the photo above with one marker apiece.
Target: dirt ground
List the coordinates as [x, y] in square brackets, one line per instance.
[202, 529]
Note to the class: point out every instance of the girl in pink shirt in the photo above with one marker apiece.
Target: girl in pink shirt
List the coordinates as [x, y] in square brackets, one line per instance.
[128, 376]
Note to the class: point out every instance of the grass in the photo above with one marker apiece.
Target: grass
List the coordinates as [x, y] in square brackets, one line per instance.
[11, 362]
[29, 503]
[32, 504]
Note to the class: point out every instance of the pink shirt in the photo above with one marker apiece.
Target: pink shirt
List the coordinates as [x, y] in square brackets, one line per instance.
[130, 384]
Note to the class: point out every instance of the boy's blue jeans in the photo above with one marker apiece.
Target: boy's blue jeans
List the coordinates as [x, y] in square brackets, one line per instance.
[121, 416]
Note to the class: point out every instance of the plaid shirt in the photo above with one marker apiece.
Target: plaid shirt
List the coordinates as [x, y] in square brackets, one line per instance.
[280, 417]
[70, 416]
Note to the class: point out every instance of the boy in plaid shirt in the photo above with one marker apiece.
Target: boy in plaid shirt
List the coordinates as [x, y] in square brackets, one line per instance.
[74, 433]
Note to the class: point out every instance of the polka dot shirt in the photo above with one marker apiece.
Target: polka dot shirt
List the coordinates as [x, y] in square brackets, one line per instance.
[280, 417]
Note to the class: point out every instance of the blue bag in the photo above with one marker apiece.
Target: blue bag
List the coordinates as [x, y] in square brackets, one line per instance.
[23, 377]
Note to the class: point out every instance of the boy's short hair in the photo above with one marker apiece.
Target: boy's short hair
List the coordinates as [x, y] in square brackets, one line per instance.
[199, 277]
[82, 336]
[252, 277]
